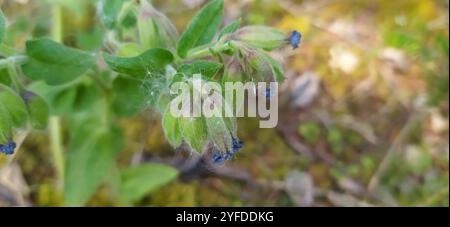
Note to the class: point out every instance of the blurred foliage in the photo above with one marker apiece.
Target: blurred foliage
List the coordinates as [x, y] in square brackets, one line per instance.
[379, 124]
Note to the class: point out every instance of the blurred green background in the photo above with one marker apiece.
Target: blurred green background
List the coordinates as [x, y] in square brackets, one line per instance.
[364, 111]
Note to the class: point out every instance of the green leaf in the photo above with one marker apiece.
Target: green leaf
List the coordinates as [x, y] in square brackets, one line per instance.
[93, 149]
[151, 61]
[232, 27]
[91, 40]
[171, 128]
[277, 68]
[205, 68]
[54, 63]
[69, 98]
[129, 20]
[14, 105]
[129, 96]
[2, 26]
[4, 77]
[38, 109]
[202, 28]
[62, 99]
[86, 95]
[129, 50]
[194, 132]
[152, 88]
[110, 10]
[141, 180]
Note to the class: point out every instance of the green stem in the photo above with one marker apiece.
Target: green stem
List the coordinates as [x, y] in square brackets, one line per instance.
[16, 60]
[55, 121]
[111, 42]
[14, 75]
[56, 146]
[57, 27]
[106, 119]
[7, 51]
[210, 51]
[126, 8]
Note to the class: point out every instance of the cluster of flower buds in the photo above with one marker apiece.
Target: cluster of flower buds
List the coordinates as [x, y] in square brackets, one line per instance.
[251, 62]
[200, 132]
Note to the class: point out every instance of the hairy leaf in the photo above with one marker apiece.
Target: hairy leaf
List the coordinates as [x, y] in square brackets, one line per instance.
[92, 151]
[54, 63]
[202, 28]
[141, 180]
[205, 68]
[142, 66]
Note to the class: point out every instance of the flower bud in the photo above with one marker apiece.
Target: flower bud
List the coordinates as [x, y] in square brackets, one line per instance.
[259, 66]
[263, 37]
[155, 29]
[8, 148]
[194, 132]
[219, 134]
[233, 72]
[219, 157]
[295, 39]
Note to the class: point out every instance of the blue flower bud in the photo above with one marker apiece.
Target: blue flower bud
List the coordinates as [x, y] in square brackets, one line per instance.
[237, 145]
[268, 93]
[8, 149]
[218, 157]
[227, 156]
[295, 39]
